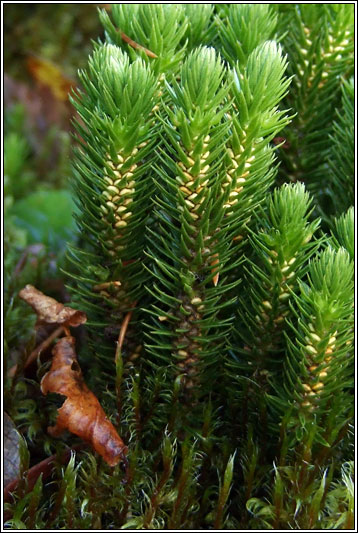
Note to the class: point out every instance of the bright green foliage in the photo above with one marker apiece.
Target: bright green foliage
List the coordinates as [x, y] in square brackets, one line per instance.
[332, 182]
[339, 508]
[282, 244]
[318, 367]
[199, 24]
[319, 45]
[340, 158]
[328, 505]
[242, 27]
[191, 196]
[112, 187]
[224, 492]
[343, 232]
[160, 28]
[232, 384]
[255, 121]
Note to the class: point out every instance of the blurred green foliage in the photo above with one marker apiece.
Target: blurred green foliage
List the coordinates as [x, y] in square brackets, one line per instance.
[37, 142]
[66, 43]
[36, 148]
[47, 217]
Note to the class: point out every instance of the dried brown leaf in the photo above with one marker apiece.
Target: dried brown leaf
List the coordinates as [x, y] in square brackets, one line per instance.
[81, 413]
[137, 46]
[49, 311]
[50, 75]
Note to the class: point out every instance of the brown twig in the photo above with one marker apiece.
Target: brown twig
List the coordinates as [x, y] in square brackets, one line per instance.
[37, 351]
[137, 46]
[45, 468]
[123, 332]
